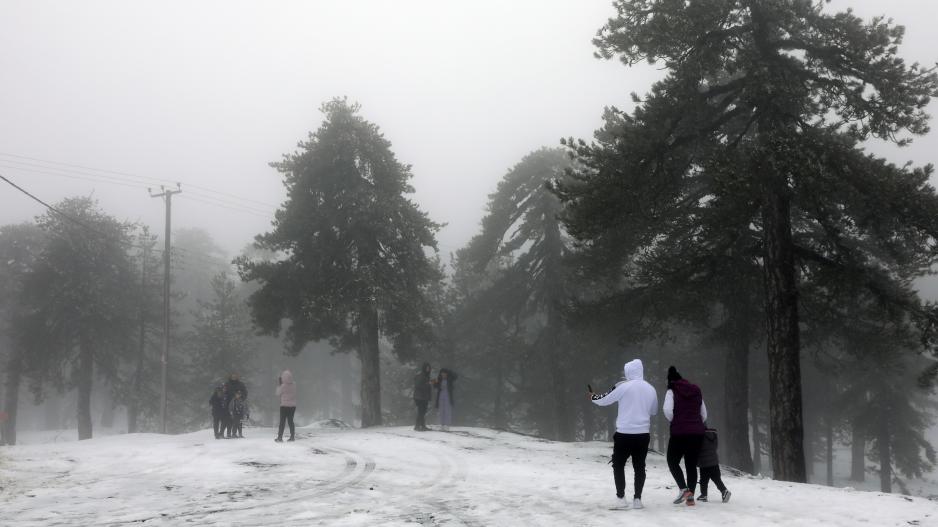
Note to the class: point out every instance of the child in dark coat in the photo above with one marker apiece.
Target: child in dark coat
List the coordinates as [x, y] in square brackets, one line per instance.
[237, 408]
[709, 463]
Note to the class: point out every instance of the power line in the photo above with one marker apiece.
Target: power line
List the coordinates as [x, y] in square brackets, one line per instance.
[126, 174]
[73, 176]
[150, 180]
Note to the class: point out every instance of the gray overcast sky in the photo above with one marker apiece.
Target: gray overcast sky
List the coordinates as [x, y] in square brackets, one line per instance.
[207, 93]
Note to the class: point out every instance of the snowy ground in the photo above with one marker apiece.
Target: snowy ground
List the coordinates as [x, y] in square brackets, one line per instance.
[388, 476]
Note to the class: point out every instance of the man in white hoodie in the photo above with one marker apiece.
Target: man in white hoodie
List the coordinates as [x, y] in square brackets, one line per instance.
[638, 401]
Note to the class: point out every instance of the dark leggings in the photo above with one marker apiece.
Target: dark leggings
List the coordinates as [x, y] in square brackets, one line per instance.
[711, 473]
[686, 447]
[421, 413]
[624, 447]
[286, 416]
[218, 423]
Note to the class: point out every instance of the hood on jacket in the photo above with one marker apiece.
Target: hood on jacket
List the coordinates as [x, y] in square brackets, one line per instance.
[634, 370]
[684, 388]
[286, 377]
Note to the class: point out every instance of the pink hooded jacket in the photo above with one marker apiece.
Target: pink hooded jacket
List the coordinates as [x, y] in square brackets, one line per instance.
[287, 389]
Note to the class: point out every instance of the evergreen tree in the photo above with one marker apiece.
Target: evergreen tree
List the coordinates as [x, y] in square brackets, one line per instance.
[222, 337]
[135, 390]
[80, 301]
[354, 246]
[19, 246]
[522, 227]
[758, 121]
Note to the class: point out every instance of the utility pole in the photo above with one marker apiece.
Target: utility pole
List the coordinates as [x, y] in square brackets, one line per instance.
[167, 195]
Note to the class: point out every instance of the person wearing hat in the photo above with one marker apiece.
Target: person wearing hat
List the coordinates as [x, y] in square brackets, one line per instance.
[684, 407]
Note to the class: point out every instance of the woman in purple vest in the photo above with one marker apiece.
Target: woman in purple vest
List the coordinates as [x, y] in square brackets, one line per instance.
[684, 407]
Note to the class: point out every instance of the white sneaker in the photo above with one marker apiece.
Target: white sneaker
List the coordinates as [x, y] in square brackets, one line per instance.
[618, 504]
[637, 504]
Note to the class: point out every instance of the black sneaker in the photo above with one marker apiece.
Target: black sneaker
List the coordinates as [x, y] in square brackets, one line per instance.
[726, 495]
[279, 440]
[291, 439]
[702, 497]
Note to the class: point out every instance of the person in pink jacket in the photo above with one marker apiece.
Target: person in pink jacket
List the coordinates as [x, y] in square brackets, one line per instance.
[287, 392]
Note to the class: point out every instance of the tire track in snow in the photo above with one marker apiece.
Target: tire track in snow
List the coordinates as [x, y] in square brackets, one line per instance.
[558, 515]
[355, 470]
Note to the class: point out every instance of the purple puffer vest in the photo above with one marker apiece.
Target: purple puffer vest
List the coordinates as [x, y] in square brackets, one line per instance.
[687, 401]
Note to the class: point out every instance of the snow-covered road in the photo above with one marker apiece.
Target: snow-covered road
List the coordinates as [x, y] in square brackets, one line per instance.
[388, 476]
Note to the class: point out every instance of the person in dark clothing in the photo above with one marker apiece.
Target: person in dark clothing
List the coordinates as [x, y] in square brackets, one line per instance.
[684, 407]
[233, 386]
[237, 409]
[217, 402]
[444, 396]
[709, 463]
[422, 387]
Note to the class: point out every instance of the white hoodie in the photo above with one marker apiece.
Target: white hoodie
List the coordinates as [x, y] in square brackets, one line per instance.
[637, 399]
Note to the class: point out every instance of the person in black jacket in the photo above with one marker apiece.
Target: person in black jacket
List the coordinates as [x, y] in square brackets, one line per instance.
[219, 411]
[233, 386]
[709, 462]
[422, 387]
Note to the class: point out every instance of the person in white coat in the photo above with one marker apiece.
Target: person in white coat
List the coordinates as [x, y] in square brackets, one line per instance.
[638, 402]
[287, 392]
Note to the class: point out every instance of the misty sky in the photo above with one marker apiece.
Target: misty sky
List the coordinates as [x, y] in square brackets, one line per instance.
[207, 93]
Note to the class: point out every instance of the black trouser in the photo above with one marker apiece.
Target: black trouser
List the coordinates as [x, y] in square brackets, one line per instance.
[421, 413]
[686, 447]
[286, 416]
[235, 426]
[624, 447]
[708, 473]
[218, 423]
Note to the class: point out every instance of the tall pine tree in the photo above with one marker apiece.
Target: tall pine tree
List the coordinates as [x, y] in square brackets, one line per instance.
[354, 246]
[763, 106]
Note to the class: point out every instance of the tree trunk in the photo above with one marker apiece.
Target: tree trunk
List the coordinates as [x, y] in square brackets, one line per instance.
[783, 338]
[499, 418]
[85, 381]
[563, 419]
[589, 422]
[756, 446]
[107, 415]
[857, 454]
[11, 397]
[885, 457]
[133, 398]
[736, 386]
[829, 433]
[370, 357]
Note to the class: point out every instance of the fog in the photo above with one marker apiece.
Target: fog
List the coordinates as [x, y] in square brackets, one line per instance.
[209, 93]
[114, 99]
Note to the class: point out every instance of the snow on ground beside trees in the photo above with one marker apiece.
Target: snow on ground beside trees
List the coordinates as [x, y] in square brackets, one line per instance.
[388, 476]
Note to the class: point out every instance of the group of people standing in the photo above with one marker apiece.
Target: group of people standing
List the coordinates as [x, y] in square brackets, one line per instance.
[690, 441]
[229, 403]
[424, 385]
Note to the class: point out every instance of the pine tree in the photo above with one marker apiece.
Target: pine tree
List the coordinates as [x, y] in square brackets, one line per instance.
[19, 247]
[763, 106]
[222, 338]
[522, 226]
[354, 246]
[80, 301]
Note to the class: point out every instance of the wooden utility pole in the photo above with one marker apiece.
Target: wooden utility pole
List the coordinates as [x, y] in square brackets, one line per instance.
[167, 196]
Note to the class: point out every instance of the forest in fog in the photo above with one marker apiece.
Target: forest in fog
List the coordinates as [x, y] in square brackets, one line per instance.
[731, 223]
